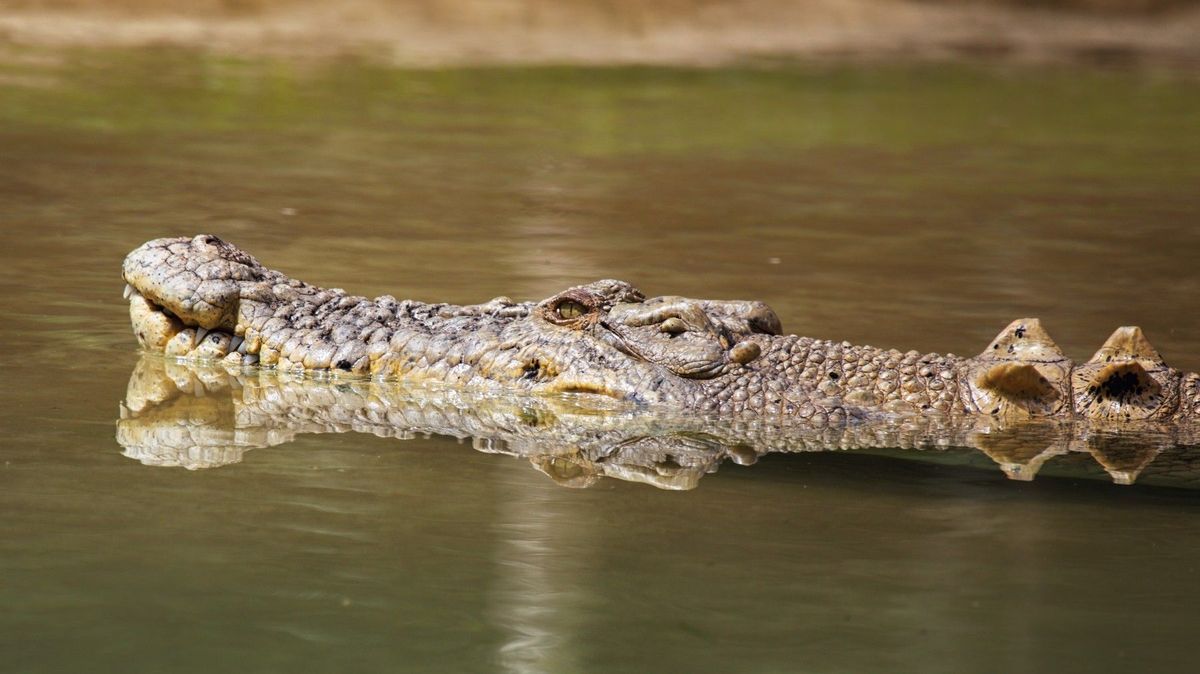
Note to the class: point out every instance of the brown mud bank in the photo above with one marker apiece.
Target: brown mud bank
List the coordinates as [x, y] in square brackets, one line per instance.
[685, 32]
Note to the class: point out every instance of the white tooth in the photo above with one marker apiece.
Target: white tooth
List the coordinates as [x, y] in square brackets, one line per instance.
[128, 291]
[235, 344]
[200, 335]
[250, 359]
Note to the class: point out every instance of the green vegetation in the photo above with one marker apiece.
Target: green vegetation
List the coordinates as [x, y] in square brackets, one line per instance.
[1094, 114]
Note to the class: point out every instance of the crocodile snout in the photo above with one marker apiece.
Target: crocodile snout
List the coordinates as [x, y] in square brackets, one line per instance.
[184, 295]
[197, 280]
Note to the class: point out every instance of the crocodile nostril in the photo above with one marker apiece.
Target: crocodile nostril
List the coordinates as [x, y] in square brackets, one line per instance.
[673, 326]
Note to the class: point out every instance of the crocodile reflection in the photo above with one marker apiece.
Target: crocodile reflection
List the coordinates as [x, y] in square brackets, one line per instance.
[203, 416]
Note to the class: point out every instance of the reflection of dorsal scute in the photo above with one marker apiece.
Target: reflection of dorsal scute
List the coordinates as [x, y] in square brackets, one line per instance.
[1019, 448]
[1027, 468]
[1016, 381]
[1024, 472]
[1125, 381]
[1124, 459]
[1025, 340]
[1128, 343]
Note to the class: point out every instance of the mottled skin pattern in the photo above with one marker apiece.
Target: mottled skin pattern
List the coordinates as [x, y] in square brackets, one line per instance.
[185, 413]
[204, 298]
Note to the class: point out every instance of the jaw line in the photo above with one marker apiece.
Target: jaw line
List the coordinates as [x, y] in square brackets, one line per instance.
[158, 328]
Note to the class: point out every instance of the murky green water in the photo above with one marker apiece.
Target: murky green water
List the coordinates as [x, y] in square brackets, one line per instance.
[916, 207]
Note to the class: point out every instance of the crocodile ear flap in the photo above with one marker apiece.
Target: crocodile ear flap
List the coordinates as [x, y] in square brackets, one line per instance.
[1017, 381]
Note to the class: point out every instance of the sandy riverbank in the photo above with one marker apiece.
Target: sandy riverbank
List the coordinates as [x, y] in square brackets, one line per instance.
[450, 32]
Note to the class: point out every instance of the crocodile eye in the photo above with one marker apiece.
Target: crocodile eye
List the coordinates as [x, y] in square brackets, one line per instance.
[569, 309]
[575, 309]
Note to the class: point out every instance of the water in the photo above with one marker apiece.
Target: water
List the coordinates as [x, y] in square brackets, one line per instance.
[909, 206]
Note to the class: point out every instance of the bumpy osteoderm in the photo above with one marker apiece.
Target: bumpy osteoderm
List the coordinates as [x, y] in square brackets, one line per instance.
[204, 298]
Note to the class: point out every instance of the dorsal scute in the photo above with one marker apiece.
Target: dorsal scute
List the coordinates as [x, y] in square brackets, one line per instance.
[1127, 379]
[1026, 341]
[1128, 343]
[1021, 374]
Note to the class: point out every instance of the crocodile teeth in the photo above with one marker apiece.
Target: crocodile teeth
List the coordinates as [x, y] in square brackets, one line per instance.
[201, 333]
[128, 291]
[237, 344]
[250, 359]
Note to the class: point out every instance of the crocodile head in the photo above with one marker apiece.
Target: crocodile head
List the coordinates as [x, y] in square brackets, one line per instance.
[606, 337]
[202, 297]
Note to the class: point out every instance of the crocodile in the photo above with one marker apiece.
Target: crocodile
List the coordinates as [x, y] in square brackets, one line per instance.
[186, 413]
[204, 298]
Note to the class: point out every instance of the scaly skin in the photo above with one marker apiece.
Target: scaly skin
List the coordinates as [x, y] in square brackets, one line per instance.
[204, 298]
[204, 416]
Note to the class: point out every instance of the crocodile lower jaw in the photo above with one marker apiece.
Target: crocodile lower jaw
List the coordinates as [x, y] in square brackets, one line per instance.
[159, 330]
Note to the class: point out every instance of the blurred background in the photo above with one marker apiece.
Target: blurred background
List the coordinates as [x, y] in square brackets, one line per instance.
[620, 31]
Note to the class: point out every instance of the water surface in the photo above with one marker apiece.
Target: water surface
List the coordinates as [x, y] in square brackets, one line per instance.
[914, 207]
